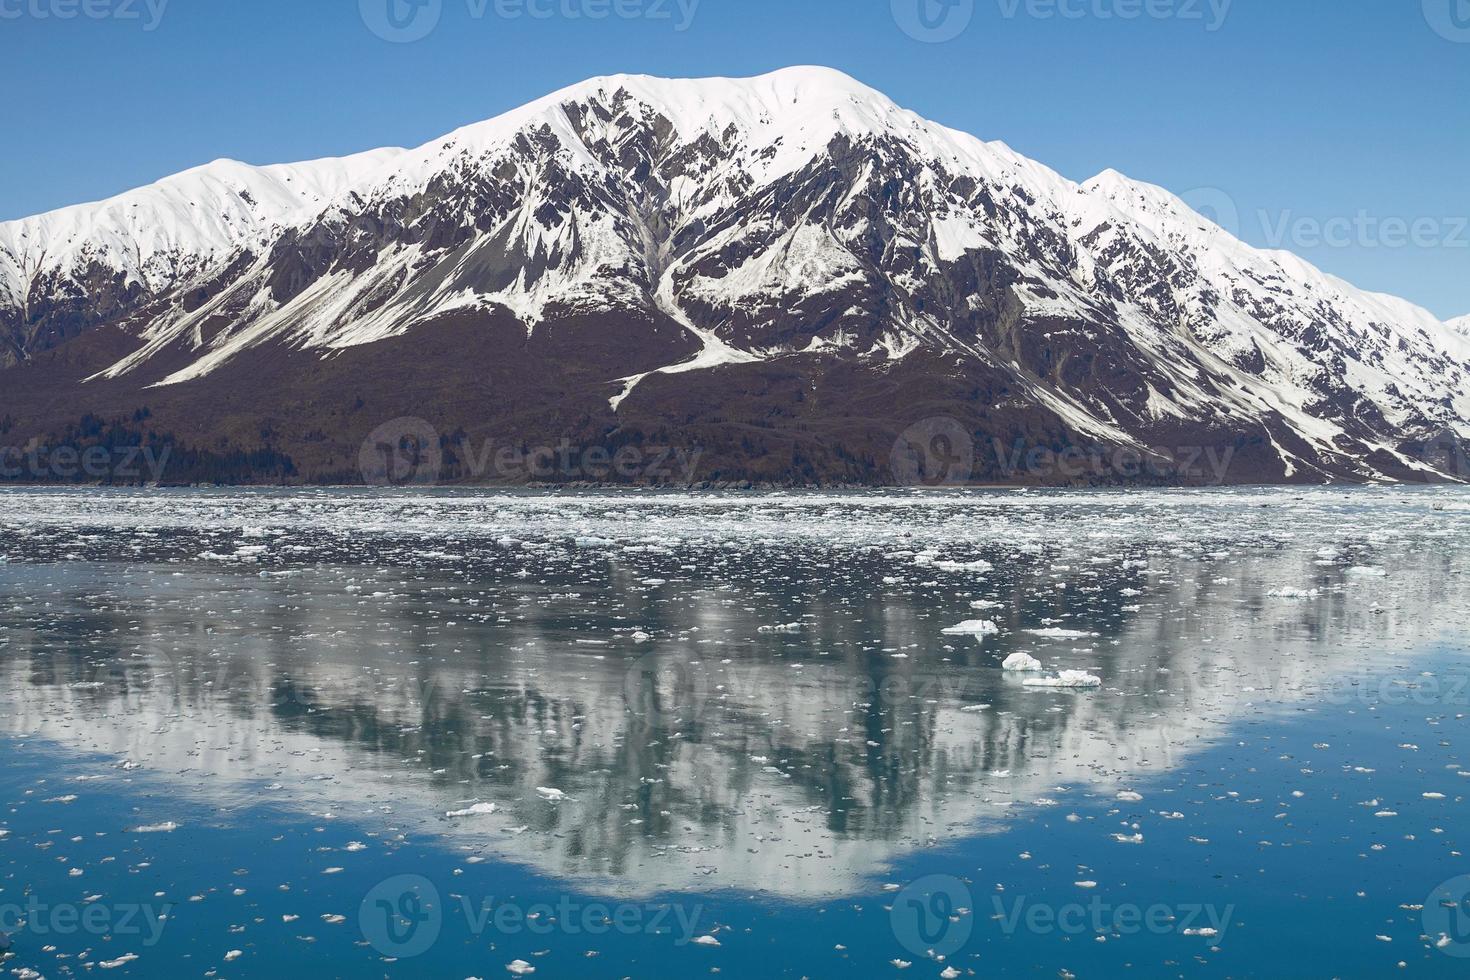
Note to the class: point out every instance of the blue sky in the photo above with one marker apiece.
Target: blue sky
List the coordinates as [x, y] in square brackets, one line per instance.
[1339, 129]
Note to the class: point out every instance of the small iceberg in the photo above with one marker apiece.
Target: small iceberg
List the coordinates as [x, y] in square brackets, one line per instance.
[973, 627]
[478, 810]
[1022, 663]
[1067, 678]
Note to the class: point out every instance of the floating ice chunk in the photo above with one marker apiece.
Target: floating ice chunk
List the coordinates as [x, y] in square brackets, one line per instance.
[1367, 571]
[782, 628]
[973, 627]
[122, 960]
[233, 955]
[1293, 593]
[1206, 932]
[1022, 662]
[979, 565]
[520, 967]
[167, 827]
[1057, 633]
[551, 794]
[706, 941]
[1128, 796]
[478, 810]
[1067, 678]
[641, 637]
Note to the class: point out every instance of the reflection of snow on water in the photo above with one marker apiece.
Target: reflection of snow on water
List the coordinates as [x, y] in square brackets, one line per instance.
[647, 692]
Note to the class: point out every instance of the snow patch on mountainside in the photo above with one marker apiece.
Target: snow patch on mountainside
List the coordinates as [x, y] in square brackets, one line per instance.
[162, 233]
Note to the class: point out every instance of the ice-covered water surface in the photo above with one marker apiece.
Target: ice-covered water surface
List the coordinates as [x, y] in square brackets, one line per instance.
[773, 717]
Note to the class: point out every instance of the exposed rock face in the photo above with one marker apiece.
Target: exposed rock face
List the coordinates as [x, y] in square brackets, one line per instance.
[787, 273]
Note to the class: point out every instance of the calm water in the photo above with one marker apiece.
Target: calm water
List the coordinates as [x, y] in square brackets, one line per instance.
[369, 734]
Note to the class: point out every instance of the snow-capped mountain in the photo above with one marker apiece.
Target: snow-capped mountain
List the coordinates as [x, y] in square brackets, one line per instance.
[789, 264]
[66, 270]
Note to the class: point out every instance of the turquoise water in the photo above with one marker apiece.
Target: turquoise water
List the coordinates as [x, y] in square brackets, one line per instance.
[685, 735]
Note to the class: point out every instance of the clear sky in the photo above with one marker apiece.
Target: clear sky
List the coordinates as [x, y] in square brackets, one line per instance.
[1339, 129]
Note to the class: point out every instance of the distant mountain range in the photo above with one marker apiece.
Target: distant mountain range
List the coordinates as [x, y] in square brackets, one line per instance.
[786, 279]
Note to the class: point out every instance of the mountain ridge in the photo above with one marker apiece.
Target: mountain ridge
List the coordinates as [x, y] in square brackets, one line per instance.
[741, 226]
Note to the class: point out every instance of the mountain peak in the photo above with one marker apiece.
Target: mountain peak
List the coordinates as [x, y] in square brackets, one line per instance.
[724, 227]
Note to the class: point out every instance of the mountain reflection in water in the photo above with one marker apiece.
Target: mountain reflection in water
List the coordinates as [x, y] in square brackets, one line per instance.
[658, 694]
